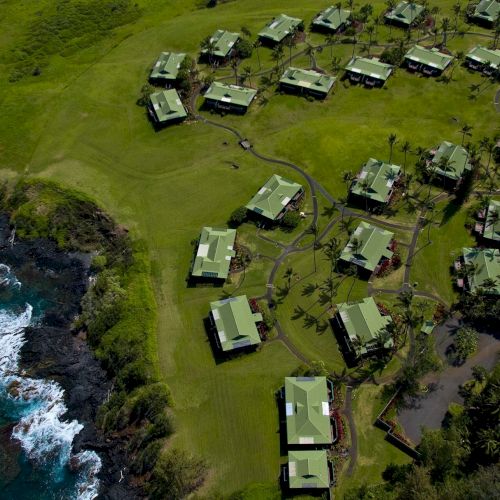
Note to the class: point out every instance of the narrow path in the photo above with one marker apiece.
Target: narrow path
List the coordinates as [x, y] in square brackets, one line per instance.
[353, 449]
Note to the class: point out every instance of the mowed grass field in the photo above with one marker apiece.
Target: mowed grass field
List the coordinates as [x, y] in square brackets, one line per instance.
[78, 123]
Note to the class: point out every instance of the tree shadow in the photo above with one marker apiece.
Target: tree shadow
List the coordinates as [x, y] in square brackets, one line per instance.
[450, 211]
[309, 289]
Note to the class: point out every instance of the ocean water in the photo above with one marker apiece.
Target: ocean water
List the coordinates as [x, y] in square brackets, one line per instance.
[46, 468]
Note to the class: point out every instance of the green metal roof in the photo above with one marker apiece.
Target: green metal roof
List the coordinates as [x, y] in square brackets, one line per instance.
[405, 12]
[307, 411]
[379, 178]
[167, 66]
[430, 57]
[167, 105]
[364, 323]
[372, 243]
[214, 253]
[457, 160]
[370, 67]
[280, 27]
[487, 10]
[487, 266]
[332, 18]
[308, 79]
[492, 223]
[428, 327]
[308, 469]
[224, 41]
[235, 323]
[483, 55]
[231, 94]
[273, 197]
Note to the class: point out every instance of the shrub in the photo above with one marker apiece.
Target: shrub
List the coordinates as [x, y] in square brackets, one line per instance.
[238, 217]
[244, 48]
[291, 219]
[146, 459]
[146, 90]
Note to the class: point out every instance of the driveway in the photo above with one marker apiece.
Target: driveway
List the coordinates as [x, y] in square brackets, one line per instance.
[430, 410]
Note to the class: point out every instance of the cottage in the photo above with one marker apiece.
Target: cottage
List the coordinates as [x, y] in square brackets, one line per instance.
[405, 14]
[332, 20]
[166, 68]
[482, 266]
[165, 107]
[430, 62]
[450, 163]
[307, 409]
[226, 97]
[363, 327]
[371, 72]
[275, 198]
[221, 45]
[368, 247]
[308, 469]
[214, 253]
[309, 82]
[486, 13]
[485, 60]
[491, 230]
[234, 323]
[280, 28]
[375, 182]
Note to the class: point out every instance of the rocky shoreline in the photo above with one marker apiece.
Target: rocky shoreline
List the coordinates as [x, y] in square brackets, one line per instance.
[52, 351]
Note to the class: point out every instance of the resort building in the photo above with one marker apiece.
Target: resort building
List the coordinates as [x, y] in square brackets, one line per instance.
[214, 253]
[332, 20]
[166, 68]
[234, 323]
[307, 409]
[226, 97]
[428, 327]
[368, 247]
[450, 163]
[279, 28]
[222, 43]
[309, 82]
[371, 72]
[482, 268]
[375, 183]
[363, 327]
[165, 107]
[491, 229]
[485, 60]
[275, 198]
[486, 12]
[308, 469]
[405, 14]
[430, 62]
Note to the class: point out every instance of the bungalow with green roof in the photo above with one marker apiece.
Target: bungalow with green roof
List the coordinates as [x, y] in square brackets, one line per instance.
[363, 327]
[166, 68]
[165, 107]
[307, 410]
[405, 14]
[430, 62]
[234, 323]
[304, 81]
[214, 253]
[332, 20]
[483, 59]
[275, 198]
[227, 97]
[428, 327]
[482, 267]
[491, 230]
[486, 13]
[280, 28]
[450, 163]
[308, 469]
[368, 247]
[220, 45]
[375, 183]
[372, 72]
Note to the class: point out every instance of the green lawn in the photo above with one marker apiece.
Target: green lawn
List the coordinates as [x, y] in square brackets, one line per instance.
[78, 123]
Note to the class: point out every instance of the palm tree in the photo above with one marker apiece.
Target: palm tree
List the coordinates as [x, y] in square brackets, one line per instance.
[330, 40]
[390, 7]
[352, 270]
[365, 185]
[392, 139]
[246, 31]
[291, 44]
[313, 229]
[459, 59]
[310, 53]
[488, 146]
[247, 73]
[336, 64]
[430, 207]
[405, 148]
[277, 55]
[234, 65]
[208, 46]
[445, 26]
[347, 178]
[457, 9]
[370, 29]
[256, 45]
[465, 131]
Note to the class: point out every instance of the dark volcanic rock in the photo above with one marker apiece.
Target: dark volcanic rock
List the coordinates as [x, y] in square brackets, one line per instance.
[9, 455]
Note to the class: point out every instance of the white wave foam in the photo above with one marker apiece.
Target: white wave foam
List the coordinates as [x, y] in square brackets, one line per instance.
[44, 436]
[7, 279]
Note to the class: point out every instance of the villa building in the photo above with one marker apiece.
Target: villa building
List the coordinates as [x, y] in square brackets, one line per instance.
[485, 60]
[405, 14]
[166, 68]
[450, 163]
[370, 72]
[165, 107]
[222, 43]
[482, 268]
[279, 28]
[308, 469]
[226, 97]
[332, 20]
[486, 13]
[309, 82]
[429, 62]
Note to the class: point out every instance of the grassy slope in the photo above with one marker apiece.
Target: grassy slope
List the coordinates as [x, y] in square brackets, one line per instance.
[78, 123]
